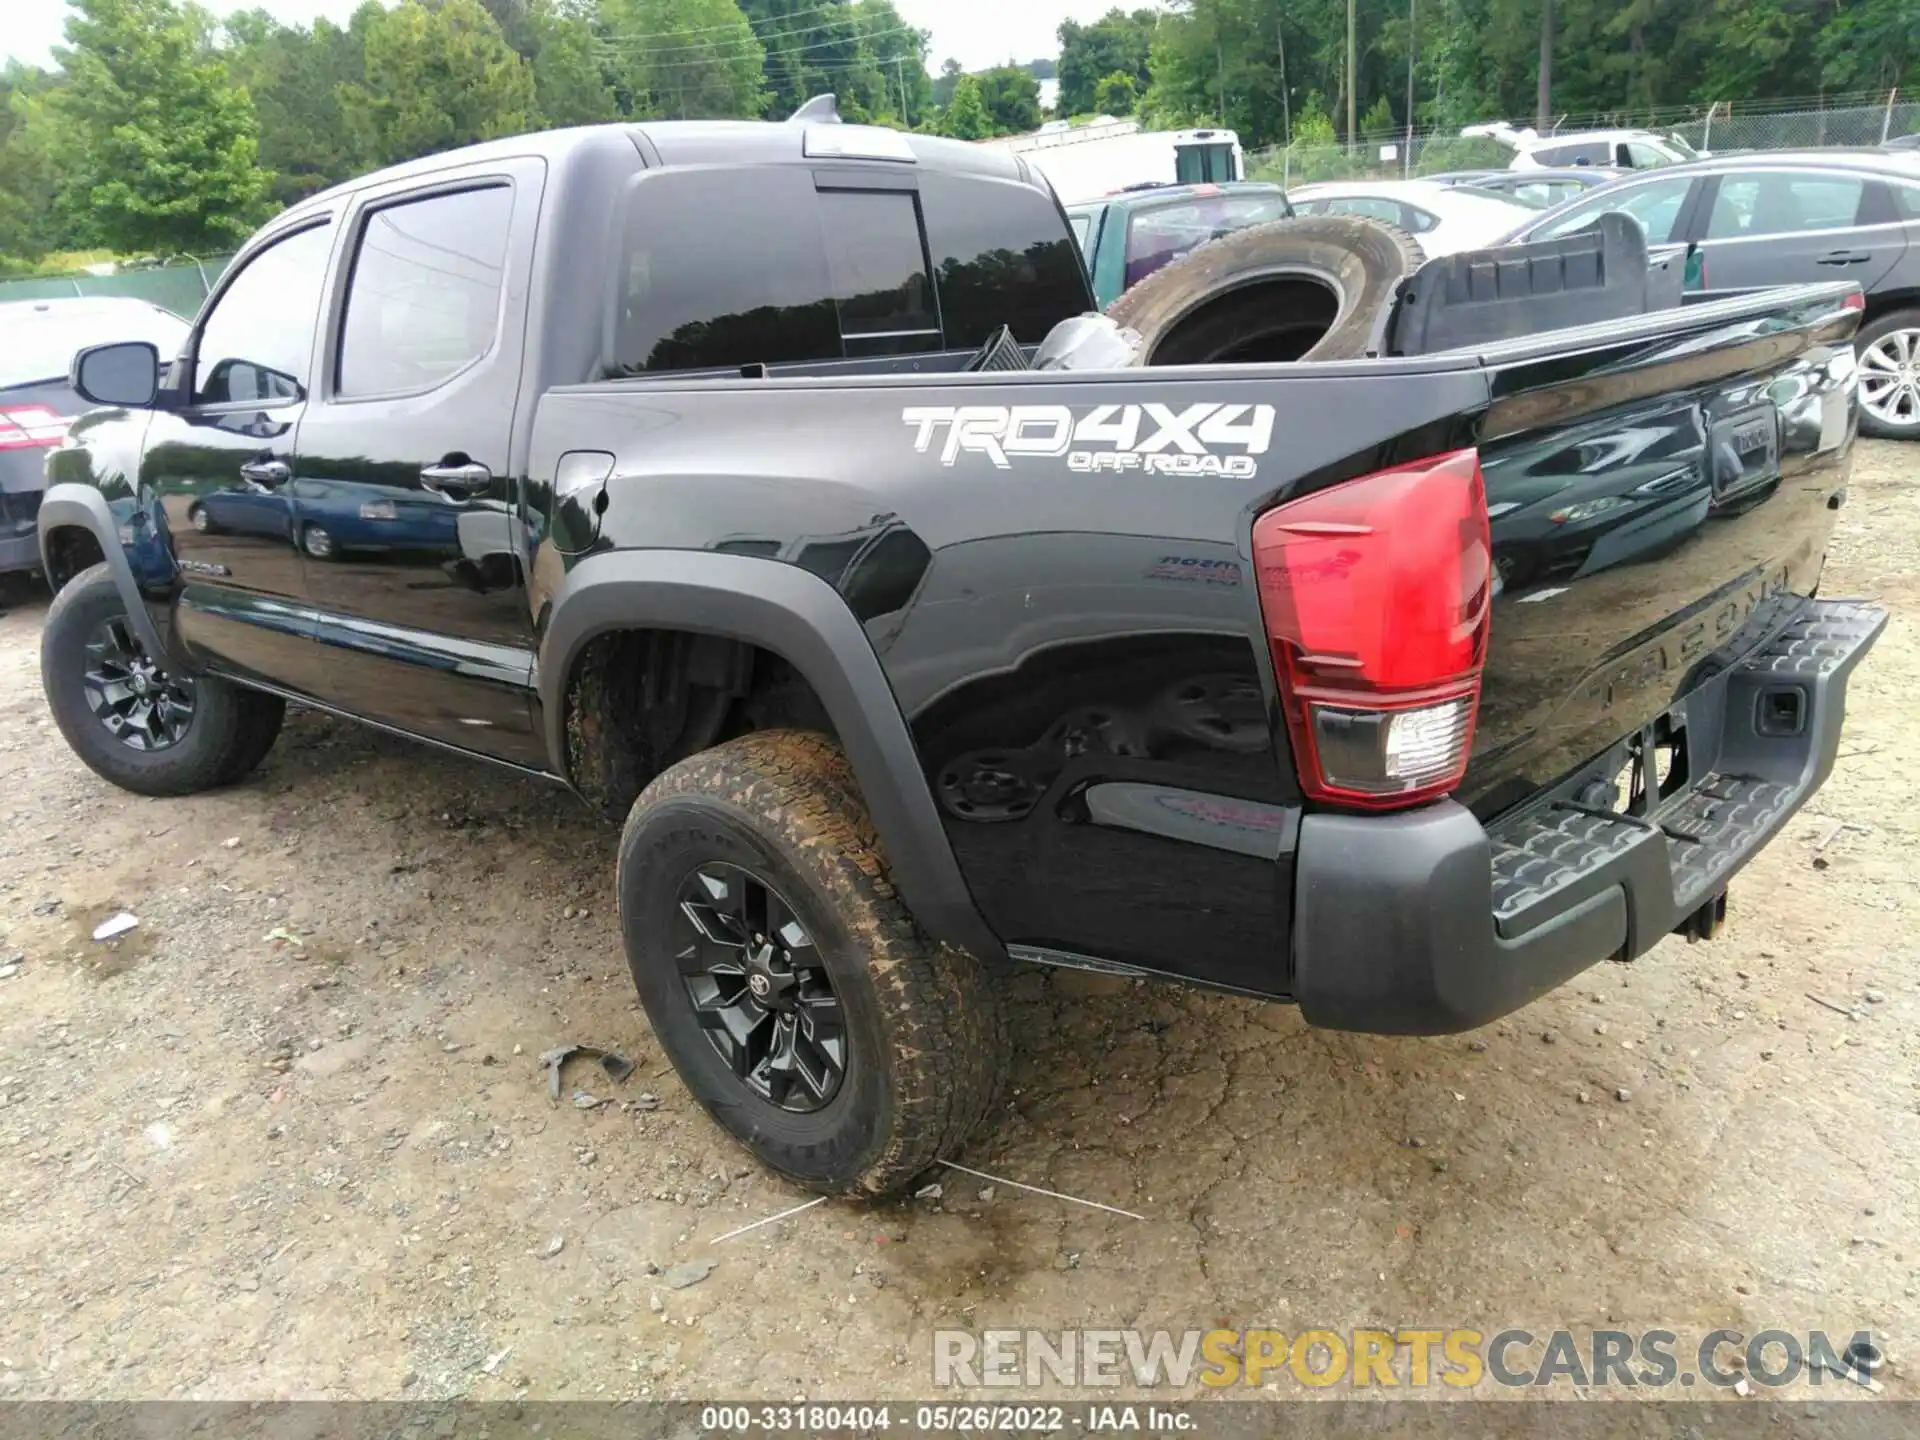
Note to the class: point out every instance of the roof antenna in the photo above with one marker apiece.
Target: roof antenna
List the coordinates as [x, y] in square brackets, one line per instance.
[821, 109]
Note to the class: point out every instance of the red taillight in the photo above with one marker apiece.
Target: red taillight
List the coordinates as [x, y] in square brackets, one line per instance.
[1856, 301]
[1377, 594]
[31, 427]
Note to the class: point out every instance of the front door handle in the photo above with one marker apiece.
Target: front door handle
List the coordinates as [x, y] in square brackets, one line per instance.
[1845, 257]
[472, 478]
[266, 472]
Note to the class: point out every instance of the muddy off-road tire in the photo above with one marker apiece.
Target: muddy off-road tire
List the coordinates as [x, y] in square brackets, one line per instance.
[130, 721]
[876, 1051]
[1309, 288]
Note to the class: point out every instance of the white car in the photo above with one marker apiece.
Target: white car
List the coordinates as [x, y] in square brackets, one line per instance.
[1613, 149]
[1443, 218]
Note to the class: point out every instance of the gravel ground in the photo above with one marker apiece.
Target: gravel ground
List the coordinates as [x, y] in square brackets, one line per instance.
[290, 1137]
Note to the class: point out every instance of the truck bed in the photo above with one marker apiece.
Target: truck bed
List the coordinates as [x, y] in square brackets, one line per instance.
[1064, 611]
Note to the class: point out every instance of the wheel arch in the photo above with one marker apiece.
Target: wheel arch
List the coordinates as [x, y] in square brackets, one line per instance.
[70, 516]
[802, 620]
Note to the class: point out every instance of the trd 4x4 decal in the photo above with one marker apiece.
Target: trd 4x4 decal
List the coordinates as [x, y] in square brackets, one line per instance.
[1152, 439]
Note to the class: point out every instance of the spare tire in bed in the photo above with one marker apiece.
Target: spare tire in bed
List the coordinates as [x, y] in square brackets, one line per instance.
[1308, 288]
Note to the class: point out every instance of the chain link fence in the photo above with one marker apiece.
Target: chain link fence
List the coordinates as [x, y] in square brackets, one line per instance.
[1847, 120]
[179, 288]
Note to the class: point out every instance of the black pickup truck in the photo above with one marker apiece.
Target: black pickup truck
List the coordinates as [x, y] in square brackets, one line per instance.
[649, 460]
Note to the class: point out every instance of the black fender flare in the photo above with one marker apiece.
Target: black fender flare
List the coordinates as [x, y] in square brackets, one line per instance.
[802, 619]
[81, 507]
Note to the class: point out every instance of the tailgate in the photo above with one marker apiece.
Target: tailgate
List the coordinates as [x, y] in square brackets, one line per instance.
[1657, 494]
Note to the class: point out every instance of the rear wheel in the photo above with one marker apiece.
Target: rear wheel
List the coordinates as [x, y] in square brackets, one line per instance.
[1889, 350]
[786, 980]
[318, 542]
[131, 720]
[1309, 288]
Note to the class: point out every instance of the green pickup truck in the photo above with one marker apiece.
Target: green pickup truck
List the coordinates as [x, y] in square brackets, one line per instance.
[1127, 236]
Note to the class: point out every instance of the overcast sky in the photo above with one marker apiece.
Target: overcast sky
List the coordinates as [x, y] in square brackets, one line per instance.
[978, 33]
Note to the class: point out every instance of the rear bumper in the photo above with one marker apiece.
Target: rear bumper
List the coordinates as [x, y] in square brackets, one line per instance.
[19, 552]
[1428, 923]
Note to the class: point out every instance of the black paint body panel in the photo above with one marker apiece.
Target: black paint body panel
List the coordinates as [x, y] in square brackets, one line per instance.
[1052, 677]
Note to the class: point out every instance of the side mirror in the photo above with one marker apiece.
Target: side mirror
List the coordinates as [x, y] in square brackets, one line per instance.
[125, 373]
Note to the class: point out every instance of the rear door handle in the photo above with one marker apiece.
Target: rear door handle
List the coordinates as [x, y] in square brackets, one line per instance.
[1845, 257]
[472, 478]
[266, 472]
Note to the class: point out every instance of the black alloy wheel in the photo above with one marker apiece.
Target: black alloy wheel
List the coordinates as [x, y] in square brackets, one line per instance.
[134, 700]
[760, 988]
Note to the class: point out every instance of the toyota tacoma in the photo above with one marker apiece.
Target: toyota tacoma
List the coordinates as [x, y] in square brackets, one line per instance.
[662, 462]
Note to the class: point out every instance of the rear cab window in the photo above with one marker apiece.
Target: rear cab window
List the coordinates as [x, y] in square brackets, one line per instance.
[849, 274]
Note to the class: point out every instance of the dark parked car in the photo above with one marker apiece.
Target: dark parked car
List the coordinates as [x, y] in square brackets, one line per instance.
[1785, 218]
[1542, 189]
[900, 674]
[38, 340]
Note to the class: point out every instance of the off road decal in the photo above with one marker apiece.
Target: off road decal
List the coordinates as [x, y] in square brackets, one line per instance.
[1205, 439]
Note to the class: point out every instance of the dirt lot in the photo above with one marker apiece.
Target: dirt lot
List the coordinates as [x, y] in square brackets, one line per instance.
[242, 1166]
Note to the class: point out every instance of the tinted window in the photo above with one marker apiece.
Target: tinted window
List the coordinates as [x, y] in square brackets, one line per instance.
[1167, 232]
[257, 343]
[1203, 164]
[1001, 257]
[879, 270]
[424, 301]
[1656, 205]
[1783, 204]
[702, 287]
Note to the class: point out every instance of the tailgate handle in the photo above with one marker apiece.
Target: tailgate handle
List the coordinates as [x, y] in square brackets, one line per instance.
[1845, 257]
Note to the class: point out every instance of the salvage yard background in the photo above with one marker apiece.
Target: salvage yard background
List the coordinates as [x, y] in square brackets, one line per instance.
[325, 1164]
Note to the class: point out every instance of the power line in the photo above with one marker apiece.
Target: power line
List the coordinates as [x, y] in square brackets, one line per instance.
[638, 45]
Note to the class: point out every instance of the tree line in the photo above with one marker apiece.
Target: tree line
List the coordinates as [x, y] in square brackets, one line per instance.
[161, 130]
[1276, 70]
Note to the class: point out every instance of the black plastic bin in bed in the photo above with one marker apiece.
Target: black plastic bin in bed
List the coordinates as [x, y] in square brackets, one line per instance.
[1600, 272]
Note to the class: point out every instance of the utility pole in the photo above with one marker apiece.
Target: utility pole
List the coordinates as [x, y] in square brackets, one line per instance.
[1406, 160]
[1544, 108]
[1286, 101]
[1220, 46]
[900, 70]
[1352, 110]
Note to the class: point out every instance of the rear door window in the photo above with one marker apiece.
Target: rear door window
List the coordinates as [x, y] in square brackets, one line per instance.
[1001, 256]
[1656, 205]
[1781, 203]
[878, 263]
[424, 300]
